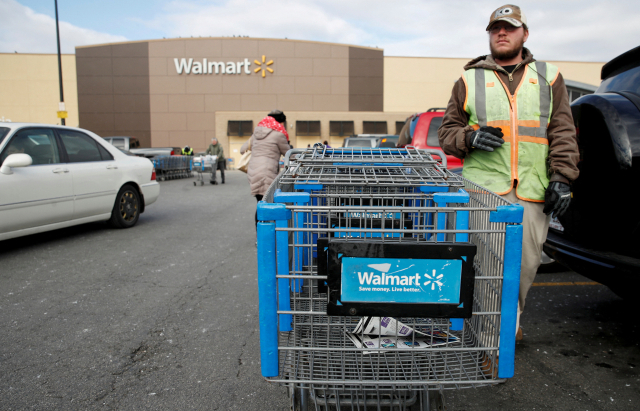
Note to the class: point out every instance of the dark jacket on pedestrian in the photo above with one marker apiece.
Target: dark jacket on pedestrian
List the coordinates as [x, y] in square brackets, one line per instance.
[561, 134]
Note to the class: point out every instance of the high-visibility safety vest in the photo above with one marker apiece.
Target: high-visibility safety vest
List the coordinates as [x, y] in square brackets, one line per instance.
[187, 153]
[523, 118]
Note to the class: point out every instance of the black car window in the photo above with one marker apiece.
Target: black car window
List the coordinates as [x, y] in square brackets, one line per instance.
[39, 143]
[104, 153]
[627, 81]
[3, 133]
[80, 147]
[432, 135]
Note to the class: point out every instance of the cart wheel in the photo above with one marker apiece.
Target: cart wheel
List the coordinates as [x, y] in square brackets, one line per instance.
[299, 399]
[436, 401]
[429, 401]
[194, 184]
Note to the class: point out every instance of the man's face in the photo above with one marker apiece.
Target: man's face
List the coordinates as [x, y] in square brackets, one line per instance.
[214, 141]
[506, 41]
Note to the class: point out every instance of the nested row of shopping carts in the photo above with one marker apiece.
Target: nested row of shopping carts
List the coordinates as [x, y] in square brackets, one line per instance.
[384, 280]
[172, 167]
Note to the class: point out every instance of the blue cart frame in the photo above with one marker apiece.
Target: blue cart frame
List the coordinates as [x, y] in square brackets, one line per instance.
[385, 196]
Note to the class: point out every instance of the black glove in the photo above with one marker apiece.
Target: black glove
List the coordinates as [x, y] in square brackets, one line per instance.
[486, 138]
[557, 198]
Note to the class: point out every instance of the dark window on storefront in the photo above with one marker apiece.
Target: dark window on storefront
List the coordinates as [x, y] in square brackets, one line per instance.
[240, 128]
[399, 125]
[307, 128]
[374, 127]
[341, 128]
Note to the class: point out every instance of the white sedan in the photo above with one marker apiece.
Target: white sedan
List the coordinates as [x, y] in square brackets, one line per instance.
[54, 176]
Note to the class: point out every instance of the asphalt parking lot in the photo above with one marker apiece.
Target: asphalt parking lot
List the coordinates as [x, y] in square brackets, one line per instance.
[164, 317]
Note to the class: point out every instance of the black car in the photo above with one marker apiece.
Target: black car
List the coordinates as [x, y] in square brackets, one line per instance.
[599, 236]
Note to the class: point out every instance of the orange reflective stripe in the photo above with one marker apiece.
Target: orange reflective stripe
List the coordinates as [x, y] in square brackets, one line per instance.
[514, 150]
[466, 94]
[529, 123]
[499, 123]
[538, 140]
[556, 77]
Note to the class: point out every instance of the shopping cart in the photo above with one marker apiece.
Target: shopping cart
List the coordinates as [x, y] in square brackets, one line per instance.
[171, 167]
[203, 164]
[351, 240]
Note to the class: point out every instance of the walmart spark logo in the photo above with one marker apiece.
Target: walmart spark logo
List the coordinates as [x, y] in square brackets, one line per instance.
[263, 66]
[434, 280]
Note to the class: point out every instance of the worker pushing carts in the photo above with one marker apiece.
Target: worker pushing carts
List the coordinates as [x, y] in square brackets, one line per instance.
[201, 165]
[384, 280]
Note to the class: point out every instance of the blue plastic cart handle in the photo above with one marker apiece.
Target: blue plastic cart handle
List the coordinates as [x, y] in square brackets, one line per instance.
[509, 308]
[268, 299]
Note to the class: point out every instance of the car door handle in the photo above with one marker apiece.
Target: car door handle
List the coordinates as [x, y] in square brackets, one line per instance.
[60, 170]
[112, 167]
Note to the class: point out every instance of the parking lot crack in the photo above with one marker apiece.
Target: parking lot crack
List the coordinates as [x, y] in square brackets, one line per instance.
[244, 343]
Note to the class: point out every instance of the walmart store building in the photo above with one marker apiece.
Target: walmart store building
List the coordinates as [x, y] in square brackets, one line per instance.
[179, 92]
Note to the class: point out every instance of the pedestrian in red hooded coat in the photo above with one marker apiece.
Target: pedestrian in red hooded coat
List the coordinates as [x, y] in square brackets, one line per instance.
[269, 141]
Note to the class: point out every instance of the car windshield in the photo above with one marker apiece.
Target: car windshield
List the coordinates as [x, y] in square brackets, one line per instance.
[359, 142]
[627, 81]
[3, 133]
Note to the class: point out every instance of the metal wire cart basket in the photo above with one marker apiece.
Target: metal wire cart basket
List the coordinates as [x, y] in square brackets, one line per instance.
[384, 279]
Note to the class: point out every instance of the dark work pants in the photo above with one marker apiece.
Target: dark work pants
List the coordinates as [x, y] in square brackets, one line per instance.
[219, 166]
[258, 198]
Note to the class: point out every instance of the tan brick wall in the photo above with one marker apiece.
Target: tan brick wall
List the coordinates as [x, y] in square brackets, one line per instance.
[308, 76]
[113, 90]
[29, 88]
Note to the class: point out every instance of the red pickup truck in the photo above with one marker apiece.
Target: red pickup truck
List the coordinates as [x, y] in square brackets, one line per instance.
[424, 133]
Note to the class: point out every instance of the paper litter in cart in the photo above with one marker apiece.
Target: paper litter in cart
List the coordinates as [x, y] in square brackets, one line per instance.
[390, 343]
[387, 326]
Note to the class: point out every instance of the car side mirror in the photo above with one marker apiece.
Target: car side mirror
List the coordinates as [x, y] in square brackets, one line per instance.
[15, 160]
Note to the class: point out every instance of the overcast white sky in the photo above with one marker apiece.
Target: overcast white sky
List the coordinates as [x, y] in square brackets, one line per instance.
[585, 30]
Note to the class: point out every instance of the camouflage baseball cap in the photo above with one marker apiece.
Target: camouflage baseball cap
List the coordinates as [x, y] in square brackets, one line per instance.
[509, 13]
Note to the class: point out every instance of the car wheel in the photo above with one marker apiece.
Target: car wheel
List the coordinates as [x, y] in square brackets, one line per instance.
[126, 210]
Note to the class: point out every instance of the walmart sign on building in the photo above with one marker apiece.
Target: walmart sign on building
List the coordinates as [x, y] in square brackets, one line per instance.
[189, 66]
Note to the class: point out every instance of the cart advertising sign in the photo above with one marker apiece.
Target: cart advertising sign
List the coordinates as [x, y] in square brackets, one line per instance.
[400, 280]
[373, 278]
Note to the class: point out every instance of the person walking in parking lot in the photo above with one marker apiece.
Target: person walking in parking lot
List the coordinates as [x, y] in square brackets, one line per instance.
[509, 119]
[215, 149]
[269, 141]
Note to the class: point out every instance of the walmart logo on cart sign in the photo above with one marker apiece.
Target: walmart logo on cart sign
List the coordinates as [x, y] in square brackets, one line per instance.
[191, 66]
[400, 280]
